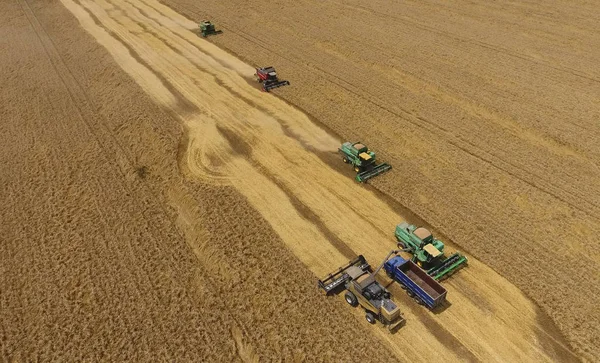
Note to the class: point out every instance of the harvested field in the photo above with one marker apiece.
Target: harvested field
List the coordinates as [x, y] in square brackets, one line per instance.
[487, 111]
[173, 210]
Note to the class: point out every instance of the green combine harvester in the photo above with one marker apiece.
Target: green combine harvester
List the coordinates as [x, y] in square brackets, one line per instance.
[207, 28]
[363, 161]
[428, 252]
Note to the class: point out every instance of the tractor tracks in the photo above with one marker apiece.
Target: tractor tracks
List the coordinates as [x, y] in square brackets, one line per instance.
[113, 150]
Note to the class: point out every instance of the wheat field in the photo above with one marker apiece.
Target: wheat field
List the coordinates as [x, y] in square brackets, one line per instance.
[157, 205]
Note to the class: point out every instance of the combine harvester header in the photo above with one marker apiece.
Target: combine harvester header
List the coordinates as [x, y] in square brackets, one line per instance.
[338, 279]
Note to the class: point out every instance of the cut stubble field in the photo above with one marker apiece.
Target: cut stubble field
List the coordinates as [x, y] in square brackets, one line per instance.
[212, 252]
[488, 113]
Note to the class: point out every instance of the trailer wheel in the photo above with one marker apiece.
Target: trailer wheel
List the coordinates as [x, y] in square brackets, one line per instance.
[390, 274]
[351, 299]
[370, 317]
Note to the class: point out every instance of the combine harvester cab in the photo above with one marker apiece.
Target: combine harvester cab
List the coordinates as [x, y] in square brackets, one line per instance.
[362, 289]
[428, 252]
[268, 77]
[363, 160]
[207, 28]
[417, 283]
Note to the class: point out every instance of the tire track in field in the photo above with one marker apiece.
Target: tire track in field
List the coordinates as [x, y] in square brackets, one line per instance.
[82, 105]
[79, 99]
[130, 255]
[112, 151]
[268, 165]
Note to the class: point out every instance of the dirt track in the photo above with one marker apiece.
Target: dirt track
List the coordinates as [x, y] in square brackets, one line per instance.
[241, 143]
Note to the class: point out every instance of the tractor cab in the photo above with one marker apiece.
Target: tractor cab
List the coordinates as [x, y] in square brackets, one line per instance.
[372, 290]
[375, 292]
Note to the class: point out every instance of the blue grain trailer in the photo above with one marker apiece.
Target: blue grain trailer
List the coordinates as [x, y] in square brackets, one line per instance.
[416, 281]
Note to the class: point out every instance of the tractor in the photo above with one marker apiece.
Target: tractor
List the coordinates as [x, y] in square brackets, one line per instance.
[207, 28]
[363, 161]
[268, 77]
[428, 252]
[362, 289]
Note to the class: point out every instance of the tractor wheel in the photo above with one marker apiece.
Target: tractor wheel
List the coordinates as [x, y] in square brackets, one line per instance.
[351, 299]
[370, 317]
[356, 169]
[390, 274]
[345, 160]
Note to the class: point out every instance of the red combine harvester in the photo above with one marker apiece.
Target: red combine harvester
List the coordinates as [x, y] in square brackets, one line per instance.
[268, 77]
